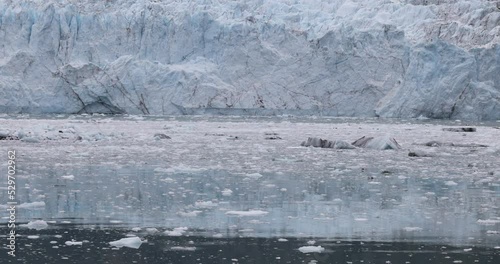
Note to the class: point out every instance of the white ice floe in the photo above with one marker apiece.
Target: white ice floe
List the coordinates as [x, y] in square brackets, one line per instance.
[205, 204]
[227, 192]
[311, 249]
[179, 169]
[255, 175]
[247, 213]
[178, 231]
[152, 230]
[183, 248]
[190, 214]
[450, 183]
[68, 177]
[37, 224]
[33, 237]
[488, 221]
[73, 243]
[130, 242]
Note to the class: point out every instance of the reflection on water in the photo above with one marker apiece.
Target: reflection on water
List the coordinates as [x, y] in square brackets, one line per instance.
[390, 207]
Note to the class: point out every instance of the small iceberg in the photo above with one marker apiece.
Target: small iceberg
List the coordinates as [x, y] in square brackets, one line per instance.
[37, 224]
[312, 249]
[130, 242]
[247, 213]
[73, 243]
[324, 143]
[380, 143]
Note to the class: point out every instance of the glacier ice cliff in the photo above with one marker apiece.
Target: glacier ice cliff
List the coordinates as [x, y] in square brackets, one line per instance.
[388, 58]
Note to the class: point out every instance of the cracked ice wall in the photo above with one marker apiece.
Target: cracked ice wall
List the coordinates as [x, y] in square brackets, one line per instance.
[344, 58]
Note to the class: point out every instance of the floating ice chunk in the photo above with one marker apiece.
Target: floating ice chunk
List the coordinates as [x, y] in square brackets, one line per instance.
[68, 177]
[205, 204]
[312, 249]
[324, 143]
[190, 214]
[492, 232]
[37, 224]
[488, 221]
[33, 237]
[412, 229]
[168, 180]
[173, 233]
[282, 240]
[30, 140]
[183, 248]
[181, 168]
[152, 230]
[450, 183]
[32, 205]
[73, 243]
[360, 219]
[227, 192]
[130, 242]
[247, 213]
[178, 231]
[380, 143]
[136, 229]
[161, 170]
[254, 175]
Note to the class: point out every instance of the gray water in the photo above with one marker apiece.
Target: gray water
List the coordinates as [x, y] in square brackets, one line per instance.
[389, 208]
[368, 206]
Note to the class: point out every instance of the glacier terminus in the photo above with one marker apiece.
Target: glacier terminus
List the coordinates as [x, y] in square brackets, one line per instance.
[387, 58]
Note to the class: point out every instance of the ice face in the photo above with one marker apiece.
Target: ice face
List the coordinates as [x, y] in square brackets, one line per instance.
[342, 57]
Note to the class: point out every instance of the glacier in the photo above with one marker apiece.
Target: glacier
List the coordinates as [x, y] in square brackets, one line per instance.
[386, 58]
